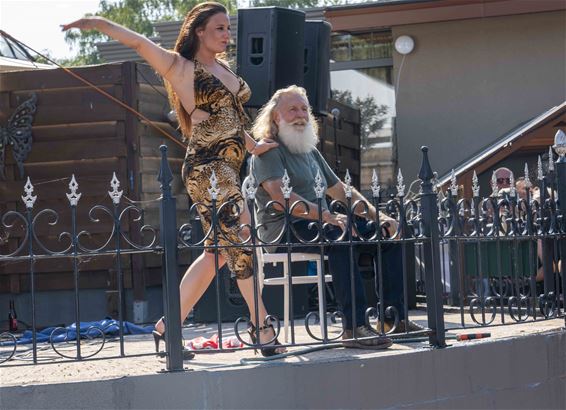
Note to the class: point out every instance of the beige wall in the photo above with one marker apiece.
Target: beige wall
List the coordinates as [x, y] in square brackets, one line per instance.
[468, 82]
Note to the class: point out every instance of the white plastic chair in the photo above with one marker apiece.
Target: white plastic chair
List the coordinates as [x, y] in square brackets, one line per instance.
[264, 258]
[281, 258]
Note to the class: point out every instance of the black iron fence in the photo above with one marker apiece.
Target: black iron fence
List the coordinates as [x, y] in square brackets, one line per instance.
[496, 260]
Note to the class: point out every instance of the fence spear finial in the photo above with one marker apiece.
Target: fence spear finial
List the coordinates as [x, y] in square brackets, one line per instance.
[73, 197]
[475, 185]
[494, 188]
[550, 160]
[453, 183]
[286, 188]
[29, 199]
[528, 183]
[375, 187]
[425, 173]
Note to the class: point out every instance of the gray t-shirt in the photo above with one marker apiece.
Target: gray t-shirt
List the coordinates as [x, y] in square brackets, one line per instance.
[302, 170]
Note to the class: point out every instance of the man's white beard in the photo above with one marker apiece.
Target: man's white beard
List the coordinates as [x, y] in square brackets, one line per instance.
[297, 141]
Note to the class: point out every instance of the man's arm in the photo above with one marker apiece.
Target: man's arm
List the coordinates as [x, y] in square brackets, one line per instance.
[273, 188]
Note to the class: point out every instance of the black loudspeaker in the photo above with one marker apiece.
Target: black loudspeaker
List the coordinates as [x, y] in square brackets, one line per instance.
[317, 64]
[270, 51]
[233, 306]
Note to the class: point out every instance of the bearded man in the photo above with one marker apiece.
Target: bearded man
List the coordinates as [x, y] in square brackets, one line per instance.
[288, 119]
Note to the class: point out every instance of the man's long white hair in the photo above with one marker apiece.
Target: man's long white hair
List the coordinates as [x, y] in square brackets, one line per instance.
[265, 127]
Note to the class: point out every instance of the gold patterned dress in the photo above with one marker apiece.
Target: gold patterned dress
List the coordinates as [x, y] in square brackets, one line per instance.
[217, 144]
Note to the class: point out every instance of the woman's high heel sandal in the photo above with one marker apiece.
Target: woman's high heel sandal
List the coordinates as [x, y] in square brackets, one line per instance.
[158, 337]
[272, 348]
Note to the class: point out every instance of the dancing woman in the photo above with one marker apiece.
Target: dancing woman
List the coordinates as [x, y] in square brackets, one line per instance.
[208, 99]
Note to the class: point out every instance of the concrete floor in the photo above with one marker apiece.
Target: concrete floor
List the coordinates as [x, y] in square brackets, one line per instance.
[106, 365]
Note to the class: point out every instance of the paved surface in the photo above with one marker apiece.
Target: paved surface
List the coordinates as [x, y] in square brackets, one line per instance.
[108, 364]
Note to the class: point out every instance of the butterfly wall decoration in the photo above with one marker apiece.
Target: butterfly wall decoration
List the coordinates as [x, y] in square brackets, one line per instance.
[17, 134]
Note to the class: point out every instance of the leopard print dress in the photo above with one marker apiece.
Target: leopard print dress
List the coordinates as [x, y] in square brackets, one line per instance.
[217, 144]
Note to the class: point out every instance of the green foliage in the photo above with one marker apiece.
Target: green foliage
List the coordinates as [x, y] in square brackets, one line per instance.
[137, 15]
[372, 115]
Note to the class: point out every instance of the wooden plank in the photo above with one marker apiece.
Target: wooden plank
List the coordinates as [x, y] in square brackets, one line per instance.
[147, 92]
[55, 266]
[74, 97]
[132, 143]
[151, 165]
[147, 75]
[151, 139]
[345, 163]
[154, 110]
[57, 78]
[155, 261]
[65, 150]
[65, 281]
[152, 218]
[83, 169]
[46, 115]
[59, 132]
[151, 186]
[344, 137]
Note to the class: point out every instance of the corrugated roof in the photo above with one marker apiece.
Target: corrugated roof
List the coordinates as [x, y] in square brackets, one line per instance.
[377, 3]
[503, 142]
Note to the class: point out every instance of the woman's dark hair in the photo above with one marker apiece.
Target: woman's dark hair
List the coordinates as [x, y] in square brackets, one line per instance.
[187, 46]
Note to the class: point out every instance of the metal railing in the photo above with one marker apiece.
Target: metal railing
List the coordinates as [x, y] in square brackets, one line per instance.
[443, 240]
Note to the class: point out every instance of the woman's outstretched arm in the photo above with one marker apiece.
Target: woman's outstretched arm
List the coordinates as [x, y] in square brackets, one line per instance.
[160, 59]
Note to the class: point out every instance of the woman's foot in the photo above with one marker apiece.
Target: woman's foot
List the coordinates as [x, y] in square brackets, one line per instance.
[270, 344]
[160, 326]
[159, 334]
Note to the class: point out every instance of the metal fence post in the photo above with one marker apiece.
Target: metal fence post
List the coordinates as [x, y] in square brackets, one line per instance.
[560, 166]
[450, 205]
[547, 243]
[170, 276]
[433, 279]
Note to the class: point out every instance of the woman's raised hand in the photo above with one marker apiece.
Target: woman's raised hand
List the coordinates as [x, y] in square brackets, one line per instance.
[264, 145]
[85, 23]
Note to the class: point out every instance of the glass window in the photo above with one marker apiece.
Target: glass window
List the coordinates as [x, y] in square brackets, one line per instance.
[11, 50]
[372, 91]
[5, 50]
[363, 46]
[19, 52]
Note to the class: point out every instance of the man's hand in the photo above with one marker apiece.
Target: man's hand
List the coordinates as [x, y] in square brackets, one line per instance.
[339, 220]
[393, 225]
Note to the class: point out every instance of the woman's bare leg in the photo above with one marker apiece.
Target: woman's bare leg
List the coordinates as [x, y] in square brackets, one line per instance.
[194, 283]
[247, 290]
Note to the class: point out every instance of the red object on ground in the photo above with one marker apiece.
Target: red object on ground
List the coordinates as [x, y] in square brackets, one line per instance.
[471, 336]
[202, 343]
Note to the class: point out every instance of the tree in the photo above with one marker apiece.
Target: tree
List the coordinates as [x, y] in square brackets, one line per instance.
[372, 115]
[137, 15]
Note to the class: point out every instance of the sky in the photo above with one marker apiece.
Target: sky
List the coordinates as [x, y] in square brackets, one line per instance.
[36, 22]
